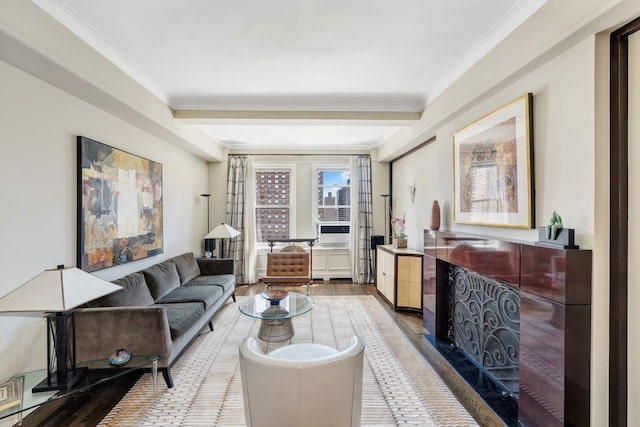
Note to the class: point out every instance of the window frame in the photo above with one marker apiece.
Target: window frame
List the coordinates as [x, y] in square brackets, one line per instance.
[292, 192]
[315, 208]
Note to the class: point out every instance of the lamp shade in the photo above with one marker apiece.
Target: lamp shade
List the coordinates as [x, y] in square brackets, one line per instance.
[56, 290]
[222, 231]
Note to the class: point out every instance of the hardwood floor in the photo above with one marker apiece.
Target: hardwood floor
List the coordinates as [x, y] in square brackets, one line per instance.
[89, 408]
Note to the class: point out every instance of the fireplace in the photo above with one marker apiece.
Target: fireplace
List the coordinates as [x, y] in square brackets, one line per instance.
[485, 324]
[514, 320]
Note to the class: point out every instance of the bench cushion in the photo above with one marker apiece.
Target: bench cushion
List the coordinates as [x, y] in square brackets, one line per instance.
[182, 316]
[162, 278]
[134, 292]
[225, 281]
[207, 295]
[187, 266]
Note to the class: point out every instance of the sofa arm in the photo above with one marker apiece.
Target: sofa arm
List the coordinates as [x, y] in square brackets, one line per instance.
[213, 266]
[142, 330]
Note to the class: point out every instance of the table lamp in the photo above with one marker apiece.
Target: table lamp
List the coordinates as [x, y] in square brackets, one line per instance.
[222, 231]
[55, 293]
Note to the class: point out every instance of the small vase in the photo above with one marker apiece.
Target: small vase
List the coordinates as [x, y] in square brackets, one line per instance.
[435, 215]
[399, 242]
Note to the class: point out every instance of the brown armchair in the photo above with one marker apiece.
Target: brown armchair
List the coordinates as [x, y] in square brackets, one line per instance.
[288, 269]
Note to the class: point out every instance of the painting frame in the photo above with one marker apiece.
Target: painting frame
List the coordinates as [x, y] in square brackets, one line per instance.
[493, 168]
[119, 206]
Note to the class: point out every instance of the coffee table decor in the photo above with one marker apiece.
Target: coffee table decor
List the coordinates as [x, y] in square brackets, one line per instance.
[120, 358]
[274, 295]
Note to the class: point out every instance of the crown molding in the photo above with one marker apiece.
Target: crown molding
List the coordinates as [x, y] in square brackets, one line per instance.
[516, 15]
[64, 14]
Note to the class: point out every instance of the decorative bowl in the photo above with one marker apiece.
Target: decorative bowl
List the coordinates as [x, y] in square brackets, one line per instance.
[120, 358]
[275, 294]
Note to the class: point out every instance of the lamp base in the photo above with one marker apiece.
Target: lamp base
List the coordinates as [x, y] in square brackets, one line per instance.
[53, 383]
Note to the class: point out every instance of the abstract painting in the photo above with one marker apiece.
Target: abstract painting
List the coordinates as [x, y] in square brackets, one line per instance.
[493, 168]
[119, 206]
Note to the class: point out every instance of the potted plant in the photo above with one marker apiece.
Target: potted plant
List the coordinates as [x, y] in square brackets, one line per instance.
[399, 236]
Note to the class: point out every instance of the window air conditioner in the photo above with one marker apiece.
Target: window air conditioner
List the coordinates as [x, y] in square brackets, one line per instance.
[333, 234]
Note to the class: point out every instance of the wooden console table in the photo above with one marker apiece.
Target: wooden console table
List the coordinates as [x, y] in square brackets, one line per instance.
[399, 277]
[554, 290]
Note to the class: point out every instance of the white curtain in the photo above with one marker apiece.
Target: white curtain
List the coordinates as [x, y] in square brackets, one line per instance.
[250, 254]
[240, 215]
[361, 219]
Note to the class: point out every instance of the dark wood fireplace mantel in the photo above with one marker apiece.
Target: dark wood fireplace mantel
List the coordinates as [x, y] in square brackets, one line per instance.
[554, 286]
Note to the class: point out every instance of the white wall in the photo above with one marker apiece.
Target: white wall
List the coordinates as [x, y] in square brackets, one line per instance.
[563, 119]
[600, 282]
[38, 128]
[565, 174]
[422, 169]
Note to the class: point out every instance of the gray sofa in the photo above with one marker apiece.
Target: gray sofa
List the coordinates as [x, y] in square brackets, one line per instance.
[160, 310]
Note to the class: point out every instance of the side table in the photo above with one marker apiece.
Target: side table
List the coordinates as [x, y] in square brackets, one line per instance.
[105, 372]
[276, 315]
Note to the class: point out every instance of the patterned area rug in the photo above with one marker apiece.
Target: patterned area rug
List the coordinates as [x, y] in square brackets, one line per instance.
[400, 387]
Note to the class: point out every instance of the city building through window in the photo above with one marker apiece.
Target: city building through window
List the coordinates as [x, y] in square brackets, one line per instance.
[333, 187]
[273, 204]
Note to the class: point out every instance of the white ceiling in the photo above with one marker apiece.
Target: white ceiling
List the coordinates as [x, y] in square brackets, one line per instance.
[280, 56]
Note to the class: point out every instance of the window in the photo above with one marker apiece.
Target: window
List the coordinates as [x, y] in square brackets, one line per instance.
[273, 204]
[333, 186]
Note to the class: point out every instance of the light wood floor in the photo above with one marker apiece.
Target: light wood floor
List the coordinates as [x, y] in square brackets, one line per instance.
[89, 408]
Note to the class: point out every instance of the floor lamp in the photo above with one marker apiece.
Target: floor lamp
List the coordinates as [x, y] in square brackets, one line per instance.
[386, 218]
[209, 244]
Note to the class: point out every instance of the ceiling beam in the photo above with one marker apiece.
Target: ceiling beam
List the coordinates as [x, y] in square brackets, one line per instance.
[387, 118]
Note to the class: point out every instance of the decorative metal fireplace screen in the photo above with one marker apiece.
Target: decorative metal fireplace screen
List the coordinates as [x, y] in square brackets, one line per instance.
[485, 323]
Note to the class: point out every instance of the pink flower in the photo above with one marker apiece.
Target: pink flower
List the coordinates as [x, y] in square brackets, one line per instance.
[398, 225]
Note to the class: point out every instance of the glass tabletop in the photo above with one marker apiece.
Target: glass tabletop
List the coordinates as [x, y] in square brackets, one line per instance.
[99, 372]
[292, 305]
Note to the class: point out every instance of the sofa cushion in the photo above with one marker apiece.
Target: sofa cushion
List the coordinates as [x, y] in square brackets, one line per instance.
[182, 316]
[225, 281]
[206, 295]
[162, 278]
[134, 292]
[187, 266]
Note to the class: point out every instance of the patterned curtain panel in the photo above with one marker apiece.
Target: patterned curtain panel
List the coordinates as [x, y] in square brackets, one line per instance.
[239, 216]
[361, 219]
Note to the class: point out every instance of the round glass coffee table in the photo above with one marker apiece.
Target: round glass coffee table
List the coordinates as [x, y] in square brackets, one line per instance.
[276, 313]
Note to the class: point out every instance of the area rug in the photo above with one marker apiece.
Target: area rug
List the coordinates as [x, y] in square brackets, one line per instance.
[399, 386]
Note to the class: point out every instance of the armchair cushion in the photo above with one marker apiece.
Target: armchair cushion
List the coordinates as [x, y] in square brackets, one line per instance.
[302, 352]
[288, 264]
[162, 278]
